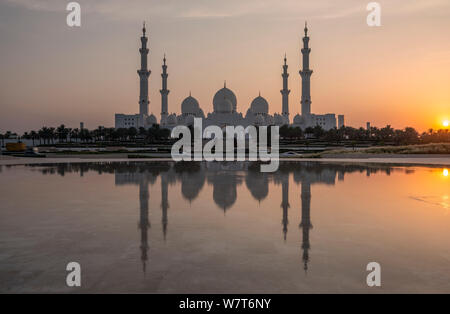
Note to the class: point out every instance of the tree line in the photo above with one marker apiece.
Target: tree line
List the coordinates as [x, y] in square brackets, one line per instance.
[386, 135]
[62, 134]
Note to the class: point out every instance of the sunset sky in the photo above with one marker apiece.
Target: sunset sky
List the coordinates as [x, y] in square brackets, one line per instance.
[397, 74]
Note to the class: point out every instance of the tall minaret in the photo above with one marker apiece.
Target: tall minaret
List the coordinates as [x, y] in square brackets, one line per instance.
[285, 92]
[144, 73]
[305, 73]
[164, 93]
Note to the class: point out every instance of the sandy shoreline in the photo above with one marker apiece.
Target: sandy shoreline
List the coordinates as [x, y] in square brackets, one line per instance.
[420, 159]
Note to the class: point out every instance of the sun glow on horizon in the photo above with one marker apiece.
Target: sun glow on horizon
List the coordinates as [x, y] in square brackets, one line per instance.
[445, 172]
[446, 123]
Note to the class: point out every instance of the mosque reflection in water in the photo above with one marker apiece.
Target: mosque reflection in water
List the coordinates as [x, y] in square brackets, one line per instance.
[225, 178]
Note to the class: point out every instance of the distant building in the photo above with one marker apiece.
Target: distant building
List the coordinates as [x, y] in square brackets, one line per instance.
[341, 122]
[368, 126]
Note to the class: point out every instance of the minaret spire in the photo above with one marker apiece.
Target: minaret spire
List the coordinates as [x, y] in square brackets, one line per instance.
[306, 73]
[164, 93]
[285, 92]
[143, 73]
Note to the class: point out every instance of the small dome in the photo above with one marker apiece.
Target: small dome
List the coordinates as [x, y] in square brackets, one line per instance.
[298, 119]
[151, 119]
[171, 119]
[227, 94]
[224, 106]
[279, 119]
[260, 105]
[189, 105]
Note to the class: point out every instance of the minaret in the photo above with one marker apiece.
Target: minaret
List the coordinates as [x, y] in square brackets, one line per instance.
[164, 93]
[144, 224]
[144, 73]
[305, 224]
[285, 92]
[285, 203]
[305, 73]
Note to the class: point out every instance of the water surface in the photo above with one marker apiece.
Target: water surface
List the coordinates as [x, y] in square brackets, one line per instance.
[161, 227]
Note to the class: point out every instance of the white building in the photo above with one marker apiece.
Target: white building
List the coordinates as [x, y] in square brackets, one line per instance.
[224, 102]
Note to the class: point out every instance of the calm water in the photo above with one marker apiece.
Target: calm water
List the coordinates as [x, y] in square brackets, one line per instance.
[224, 228]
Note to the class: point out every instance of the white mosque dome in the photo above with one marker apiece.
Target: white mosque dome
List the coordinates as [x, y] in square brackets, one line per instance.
[224, 106]
[260, 105]
[171, 119]
[189, 105]
[227, 94]
[151, 119]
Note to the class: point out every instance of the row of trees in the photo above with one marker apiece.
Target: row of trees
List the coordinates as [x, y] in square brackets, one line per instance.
[61, 134]
[377, 135]
[386, 135]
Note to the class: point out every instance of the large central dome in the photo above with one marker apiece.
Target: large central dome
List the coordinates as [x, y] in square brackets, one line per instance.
[222, 94]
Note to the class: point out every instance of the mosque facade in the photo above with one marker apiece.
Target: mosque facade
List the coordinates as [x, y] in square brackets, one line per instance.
[225, 103]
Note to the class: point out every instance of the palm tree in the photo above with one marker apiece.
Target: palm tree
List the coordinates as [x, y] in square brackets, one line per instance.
[75, 133]
[52, 133]
[33, 135]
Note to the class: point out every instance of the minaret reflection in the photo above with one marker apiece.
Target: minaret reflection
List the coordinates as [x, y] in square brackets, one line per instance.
[164, 202]
[285, 203]
[225, 179]
[305, 223]
[144, 223]
[142, 175]
[307, 174]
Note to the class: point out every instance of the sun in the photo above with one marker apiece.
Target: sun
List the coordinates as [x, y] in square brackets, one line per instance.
[445, 172]
[446, 123]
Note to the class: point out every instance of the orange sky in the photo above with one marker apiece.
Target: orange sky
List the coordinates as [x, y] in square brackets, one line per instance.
[396, 74]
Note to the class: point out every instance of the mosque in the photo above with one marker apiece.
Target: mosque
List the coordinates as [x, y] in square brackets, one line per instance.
[225, 103]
